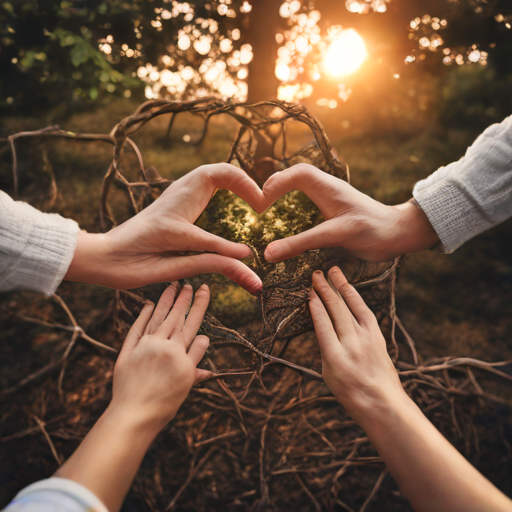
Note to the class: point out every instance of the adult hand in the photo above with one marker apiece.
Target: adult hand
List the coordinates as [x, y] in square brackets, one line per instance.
[148, 247]
[359, 372]
[364, 227]
[355, 363]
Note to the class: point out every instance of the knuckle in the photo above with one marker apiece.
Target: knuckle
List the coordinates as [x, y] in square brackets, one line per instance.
[349, 290]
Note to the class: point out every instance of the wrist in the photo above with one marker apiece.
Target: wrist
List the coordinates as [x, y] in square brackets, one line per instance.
[133, 423]
[383, 410]
[144, 419]
[90, 259]
[414, 232]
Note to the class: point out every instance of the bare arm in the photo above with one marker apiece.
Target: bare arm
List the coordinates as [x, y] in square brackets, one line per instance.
[152, 377]
[431, 473]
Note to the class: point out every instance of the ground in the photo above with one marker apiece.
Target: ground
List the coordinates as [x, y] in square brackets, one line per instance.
[452, 305]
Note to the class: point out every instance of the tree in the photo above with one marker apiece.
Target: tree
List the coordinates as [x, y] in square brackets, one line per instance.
[264, 24]
[76, 52]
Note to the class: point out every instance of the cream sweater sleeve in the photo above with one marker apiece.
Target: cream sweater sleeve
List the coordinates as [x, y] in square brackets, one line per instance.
[474, 194]
[36, 248]
[56, 495]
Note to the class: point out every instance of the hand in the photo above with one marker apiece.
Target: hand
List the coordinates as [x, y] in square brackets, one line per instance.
[146, 248]
[355, 363]
[364, 227]
[157, 364]
[359, 372]
[152, 377]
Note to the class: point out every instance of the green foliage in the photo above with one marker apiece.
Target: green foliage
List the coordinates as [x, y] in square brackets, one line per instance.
[51, 52]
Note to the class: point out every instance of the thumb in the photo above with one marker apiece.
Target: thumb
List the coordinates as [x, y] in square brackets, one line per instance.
[203, 241]
[314, 238]
[198, 349]
[201, 375]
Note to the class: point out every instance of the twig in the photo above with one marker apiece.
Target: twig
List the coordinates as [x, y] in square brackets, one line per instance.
[191, 475]
[376, 487]
[41, 426]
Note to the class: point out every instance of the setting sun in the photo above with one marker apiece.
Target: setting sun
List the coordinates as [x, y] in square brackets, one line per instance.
[346, 53]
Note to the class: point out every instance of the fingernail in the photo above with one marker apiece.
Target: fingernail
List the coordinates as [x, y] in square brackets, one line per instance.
[318, 272]
[204, 286]
[335, 269]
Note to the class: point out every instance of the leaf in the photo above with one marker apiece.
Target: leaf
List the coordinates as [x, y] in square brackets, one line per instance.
[79, 54]
[93, 93]
[8, 7]
[28, 59]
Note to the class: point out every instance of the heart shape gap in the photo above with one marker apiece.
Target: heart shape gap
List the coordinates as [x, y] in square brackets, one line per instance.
[282, 309]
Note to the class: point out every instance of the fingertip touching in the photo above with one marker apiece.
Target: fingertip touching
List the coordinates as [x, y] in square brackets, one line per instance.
[271, 254]
[339, 279]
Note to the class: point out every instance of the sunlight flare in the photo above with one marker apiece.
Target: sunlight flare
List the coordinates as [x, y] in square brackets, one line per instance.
[346, 53]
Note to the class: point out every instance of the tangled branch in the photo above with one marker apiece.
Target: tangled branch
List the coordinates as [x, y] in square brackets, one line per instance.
[281, 421]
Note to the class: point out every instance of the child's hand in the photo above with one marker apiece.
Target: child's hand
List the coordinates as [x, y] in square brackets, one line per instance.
[157, 365]
[355, 363]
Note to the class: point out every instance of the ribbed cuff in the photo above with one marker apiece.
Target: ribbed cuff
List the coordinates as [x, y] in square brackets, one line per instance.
[455, 216]
[36, 248]
[44, 258]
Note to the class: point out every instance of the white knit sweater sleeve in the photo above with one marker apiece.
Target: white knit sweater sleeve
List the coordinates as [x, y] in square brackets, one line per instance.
[474, 194]
[36, 248]
[56, 495]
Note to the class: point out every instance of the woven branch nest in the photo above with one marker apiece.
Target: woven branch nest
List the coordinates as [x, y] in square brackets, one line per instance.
[260, 149]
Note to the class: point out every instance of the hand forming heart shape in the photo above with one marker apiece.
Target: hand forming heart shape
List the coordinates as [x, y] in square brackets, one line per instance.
[285, 285]
[151, 246]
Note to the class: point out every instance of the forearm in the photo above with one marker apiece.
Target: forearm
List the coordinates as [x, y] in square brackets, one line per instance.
[431, 473]
[108, 459]
[35, 247]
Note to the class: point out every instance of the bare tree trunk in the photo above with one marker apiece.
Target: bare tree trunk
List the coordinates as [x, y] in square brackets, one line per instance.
[264, 22]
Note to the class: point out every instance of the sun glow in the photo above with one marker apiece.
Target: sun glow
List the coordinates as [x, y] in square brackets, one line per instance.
[346, 53]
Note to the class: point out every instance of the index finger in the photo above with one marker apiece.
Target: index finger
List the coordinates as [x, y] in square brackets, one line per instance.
[320, 187]
[353, 300]
[341, 317]
[196, 313]
[229, 177]
[326, 336]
